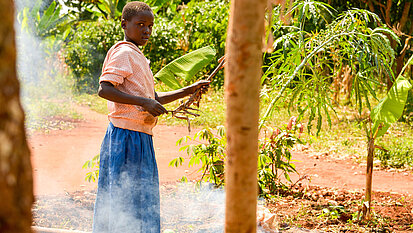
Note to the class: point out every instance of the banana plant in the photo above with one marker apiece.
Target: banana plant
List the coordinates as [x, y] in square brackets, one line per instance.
[185, 67]
[111, 8]
[43, 24]
[385, 113]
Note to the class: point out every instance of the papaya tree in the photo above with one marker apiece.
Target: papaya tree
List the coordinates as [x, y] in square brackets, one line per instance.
[16, 184]
[302, 66]
[396, 15]
[386, 112]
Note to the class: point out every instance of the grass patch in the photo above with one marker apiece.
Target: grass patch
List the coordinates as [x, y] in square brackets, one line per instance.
[212, 111]
[345, 137]
[93, 101]
[49, 114]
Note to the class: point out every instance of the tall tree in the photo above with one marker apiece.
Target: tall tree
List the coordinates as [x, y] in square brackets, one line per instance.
[242, 82]
[16, 184]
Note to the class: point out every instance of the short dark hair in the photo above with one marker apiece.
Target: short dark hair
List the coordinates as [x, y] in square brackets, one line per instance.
[134, 8]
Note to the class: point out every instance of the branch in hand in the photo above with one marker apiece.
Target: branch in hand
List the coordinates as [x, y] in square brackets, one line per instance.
[182, 111]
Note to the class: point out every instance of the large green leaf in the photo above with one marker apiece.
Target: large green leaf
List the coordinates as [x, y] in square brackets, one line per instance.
[390, 108]
[185, 67]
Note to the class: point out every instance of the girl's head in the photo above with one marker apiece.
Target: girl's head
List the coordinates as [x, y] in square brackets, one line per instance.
[137, 22]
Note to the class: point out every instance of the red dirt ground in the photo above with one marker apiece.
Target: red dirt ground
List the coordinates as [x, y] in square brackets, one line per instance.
[58, 156]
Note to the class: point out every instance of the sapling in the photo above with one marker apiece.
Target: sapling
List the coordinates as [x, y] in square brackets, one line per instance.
[386, 112]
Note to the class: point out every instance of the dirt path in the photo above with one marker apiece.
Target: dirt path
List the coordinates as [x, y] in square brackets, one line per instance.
[58, 156]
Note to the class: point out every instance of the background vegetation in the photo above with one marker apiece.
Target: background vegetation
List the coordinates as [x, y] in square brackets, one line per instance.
[326, 62]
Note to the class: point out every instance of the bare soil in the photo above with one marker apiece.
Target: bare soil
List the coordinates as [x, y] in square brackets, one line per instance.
[59, 182]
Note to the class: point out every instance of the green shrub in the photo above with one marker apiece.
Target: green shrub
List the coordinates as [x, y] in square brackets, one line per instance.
[190, 27]
[163, 46]
[93, 165]
[175, 33]
[399, 157]
[211, 154]
[205, 24]
[274, 158]
[86, 49]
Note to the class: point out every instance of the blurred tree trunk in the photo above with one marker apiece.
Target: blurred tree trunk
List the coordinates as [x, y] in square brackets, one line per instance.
[16, 186]
[242, 82]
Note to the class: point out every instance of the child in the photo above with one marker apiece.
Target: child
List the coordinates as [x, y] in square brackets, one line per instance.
[128, 188]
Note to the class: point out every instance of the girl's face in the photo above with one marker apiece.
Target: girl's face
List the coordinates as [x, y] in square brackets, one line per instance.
[139, 28]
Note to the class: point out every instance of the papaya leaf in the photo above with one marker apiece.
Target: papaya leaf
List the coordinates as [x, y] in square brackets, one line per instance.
[185, 67]
[390, 108]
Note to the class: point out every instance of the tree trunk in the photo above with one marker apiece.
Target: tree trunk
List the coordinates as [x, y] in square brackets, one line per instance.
[16, 186]
[369, 177]
[242, 81]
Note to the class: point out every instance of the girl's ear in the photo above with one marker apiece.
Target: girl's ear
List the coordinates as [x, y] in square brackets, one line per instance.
[123, 24]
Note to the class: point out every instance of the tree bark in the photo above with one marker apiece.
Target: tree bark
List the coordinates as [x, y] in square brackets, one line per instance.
[405, 15]
[242, 81]
[369, 178]
[387, 13]
[16, 185]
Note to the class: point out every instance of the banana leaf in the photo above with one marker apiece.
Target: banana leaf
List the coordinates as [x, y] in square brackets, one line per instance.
[185, 67]
[390, 108]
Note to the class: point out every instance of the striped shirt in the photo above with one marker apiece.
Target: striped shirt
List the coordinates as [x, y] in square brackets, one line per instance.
[128, 70]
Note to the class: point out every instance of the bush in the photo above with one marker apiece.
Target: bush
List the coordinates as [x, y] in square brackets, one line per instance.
[274, 157]
[163, 46]
[205, 24]
[175, 33]
[192, 26]
[399, 157]
[86, 49]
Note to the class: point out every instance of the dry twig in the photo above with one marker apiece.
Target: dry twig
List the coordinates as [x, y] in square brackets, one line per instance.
[184, 111]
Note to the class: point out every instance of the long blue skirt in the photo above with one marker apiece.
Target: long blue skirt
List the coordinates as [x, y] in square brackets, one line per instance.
[127, 199]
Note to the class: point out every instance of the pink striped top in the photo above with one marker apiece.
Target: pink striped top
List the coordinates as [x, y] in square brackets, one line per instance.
[128, 70]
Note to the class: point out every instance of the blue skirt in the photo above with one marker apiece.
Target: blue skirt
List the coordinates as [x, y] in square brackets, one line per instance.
[127, 199]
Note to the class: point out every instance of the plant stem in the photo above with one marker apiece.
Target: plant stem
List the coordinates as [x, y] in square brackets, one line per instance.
[369, 176]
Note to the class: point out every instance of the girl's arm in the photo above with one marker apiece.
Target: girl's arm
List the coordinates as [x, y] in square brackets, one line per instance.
[167, 97]
[109, 92]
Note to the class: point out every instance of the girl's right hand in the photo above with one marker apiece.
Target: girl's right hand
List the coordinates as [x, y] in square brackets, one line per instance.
[154, 107]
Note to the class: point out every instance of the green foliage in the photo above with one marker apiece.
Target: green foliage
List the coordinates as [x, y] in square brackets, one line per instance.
[163, 45]
[93, 101]
[399, 157]
[306, 60]
[44, 23]
[332, 212]
[211, 154]
[390, 108]
[93, 175]
[86, 50]
[408, 110]
[185, 29]
[274, 158]
[94, 9]
[185, 67]
[205, 23]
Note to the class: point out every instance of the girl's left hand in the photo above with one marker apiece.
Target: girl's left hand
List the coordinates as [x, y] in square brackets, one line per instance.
[202, 84]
